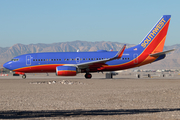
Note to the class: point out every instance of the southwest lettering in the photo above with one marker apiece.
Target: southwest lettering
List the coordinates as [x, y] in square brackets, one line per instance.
[153, 33]
[159, 26]
[150, 36]
[143, 45]
[146, 41]
[155, 30]
[163, 20]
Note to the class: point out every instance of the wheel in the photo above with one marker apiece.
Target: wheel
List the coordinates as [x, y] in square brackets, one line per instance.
[163, 75]
[88, 76]
[138, 76]
[24, 76]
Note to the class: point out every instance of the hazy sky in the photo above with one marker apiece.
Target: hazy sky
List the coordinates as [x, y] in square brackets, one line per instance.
[52, 21]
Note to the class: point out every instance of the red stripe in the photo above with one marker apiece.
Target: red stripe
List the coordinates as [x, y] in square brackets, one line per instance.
[66, 73]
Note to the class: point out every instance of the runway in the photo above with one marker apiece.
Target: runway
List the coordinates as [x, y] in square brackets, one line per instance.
[124, 97]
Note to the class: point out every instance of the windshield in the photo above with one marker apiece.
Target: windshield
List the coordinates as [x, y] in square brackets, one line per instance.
[15, 60]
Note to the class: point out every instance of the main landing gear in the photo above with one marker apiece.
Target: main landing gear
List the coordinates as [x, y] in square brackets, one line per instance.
[88, 76]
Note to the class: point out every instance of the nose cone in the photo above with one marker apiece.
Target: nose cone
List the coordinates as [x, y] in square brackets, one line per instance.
[8, 65]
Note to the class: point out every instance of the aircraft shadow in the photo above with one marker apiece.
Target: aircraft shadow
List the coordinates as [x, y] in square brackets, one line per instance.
[18, 114]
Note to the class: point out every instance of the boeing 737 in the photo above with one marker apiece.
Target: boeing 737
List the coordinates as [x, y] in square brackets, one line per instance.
[149, 50]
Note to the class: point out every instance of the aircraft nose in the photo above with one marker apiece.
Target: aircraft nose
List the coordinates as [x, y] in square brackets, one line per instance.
[7, 65]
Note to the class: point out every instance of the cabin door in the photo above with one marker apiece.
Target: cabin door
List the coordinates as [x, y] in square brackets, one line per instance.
[28, 59]
[78, 60]
[135, 56]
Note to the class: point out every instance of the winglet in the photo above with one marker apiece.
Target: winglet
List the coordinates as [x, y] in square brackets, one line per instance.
[120, 53]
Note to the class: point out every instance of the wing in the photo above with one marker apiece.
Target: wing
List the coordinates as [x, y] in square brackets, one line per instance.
[101, 62]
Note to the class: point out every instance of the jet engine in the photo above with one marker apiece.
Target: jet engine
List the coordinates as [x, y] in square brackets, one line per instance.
[66, 71]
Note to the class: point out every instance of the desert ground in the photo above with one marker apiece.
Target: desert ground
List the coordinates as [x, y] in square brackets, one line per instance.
[125, 97]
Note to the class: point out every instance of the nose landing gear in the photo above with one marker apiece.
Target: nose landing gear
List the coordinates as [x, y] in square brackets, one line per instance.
[24, 76]
[20, 73]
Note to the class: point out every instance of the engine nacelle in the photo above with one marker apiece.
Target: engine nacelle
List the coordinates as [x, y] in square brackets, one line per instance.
[66, 71]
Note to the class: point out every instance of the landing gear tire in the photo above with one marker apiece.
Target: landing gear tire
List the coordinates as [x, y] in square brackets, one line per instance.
[88, 76]
[24, 76]
[138, 75]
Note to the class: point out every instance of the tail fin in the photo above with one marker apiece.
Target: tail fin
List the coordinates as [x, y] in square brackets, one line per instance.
[155, 39]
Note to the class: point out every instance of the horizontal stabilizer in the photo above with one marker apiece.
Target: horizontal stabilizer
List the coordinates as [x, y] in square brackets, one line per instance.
[161, 53]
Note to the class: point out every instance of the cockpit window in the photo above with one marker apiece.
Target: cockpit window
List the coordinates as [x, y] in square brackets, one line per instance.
[15, 60]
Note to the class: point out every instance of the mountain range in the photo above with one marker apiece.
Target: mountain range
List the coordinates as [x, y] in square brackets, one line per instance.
[172, 60]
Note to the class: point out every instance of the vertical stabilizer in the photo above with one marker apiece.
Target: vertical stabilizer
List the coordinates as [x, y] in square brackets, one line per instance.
[155, 39]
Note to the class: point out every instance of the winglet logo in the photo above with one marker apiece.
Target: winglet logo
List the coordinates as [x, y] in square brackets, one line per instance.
[154, 32]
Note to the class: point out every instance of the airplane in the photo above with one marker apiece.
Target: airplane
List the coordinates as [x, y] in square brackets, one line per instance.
[149, 50]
